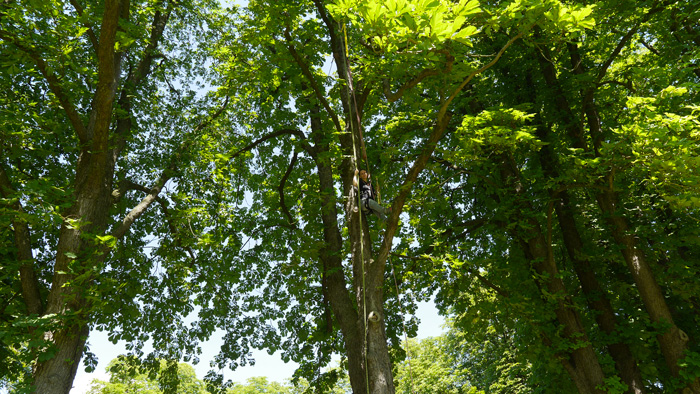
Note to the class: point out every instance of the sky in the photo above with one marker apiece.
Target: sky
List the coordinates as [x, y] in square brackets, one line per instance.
[270, 366]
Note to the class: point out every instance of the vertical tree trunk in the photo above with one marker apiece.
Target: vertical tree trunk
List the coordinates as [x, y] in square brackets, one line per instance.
[583, 365]
[75, 252]
[597, 299]
[595, 295]
[673, 341]
[344, 310]
[370, 367]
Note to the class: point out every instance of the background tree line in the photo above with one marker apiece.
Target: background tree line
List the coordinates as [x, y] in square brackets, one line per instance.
[171, 160]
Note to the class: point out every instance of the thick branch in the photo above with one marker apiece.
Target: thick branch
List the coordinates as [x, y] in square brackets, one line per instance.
[438, 130]
[54, 84]
[160, 20]
[307, 73]
[405, 189]
[625, 40]
[446, 104]
[391, 97]
[155, 190]
[139, 209]
[135, 77]
[28, 278]
[107, 79]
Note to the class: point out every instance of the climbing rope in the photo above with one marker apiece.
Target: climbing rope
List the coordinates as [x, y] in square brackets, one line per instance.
[359, 211]
[359, 207]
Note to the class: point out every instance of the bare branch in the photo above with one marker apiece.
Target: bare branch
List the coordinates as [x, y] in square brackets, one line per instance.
[166, 175]
[443, 119]
[649, 47]
[623, 42]
[90, 32]
[174, 231]
[405, 189]
[626, 38]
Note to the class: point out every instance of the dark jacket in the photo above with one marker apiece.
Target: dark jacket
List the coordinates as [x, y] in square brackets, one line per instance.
[366, 190]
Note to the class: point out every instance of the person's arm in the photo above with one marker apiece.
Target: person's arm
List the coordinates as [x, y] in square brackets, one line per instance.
[355, 177]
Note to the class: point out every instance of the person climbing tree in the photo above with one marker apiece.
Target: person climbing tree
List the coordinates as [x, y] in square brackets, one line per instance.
[368, 195]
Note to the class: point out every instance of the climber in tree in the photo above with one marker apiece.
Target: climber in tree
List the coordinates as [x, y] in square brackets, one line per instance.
[367, 195]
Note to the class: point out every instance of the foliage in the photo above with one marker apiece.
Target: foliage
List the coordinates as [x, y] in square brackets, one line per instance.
[431, 367]
[128, 375]
[541, 156]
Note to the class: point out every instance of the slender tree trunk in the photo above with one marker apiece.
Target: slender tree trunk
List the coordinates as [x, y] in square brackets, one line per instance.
[28, 278]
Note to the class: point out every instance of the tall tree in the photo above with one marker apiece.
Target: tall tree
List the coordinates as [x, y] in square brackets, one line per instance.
[89, 122]
[310, 135]
[562, 177]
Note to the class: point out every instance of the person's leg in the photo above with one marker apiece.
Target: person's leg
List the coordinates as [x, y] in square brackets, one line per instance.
[378, 209]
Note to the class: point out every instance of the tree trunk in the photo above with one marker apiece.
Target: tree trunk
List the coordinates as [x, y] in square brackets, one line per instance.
[597, 299]
[366, 345]
[673, 341]
[582, 362]
[76, 256]
[595, 295]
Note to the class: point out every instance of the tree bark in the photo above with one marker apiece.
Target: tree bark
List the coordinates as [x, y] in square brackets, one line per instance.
[27, 274]
[370, 372]
[339, 298]
[89, 213]
[596, 297]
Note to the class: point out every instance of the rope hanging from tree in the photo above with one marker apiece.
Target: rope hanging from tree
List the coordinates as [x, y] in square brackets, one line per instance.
[359, 203]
